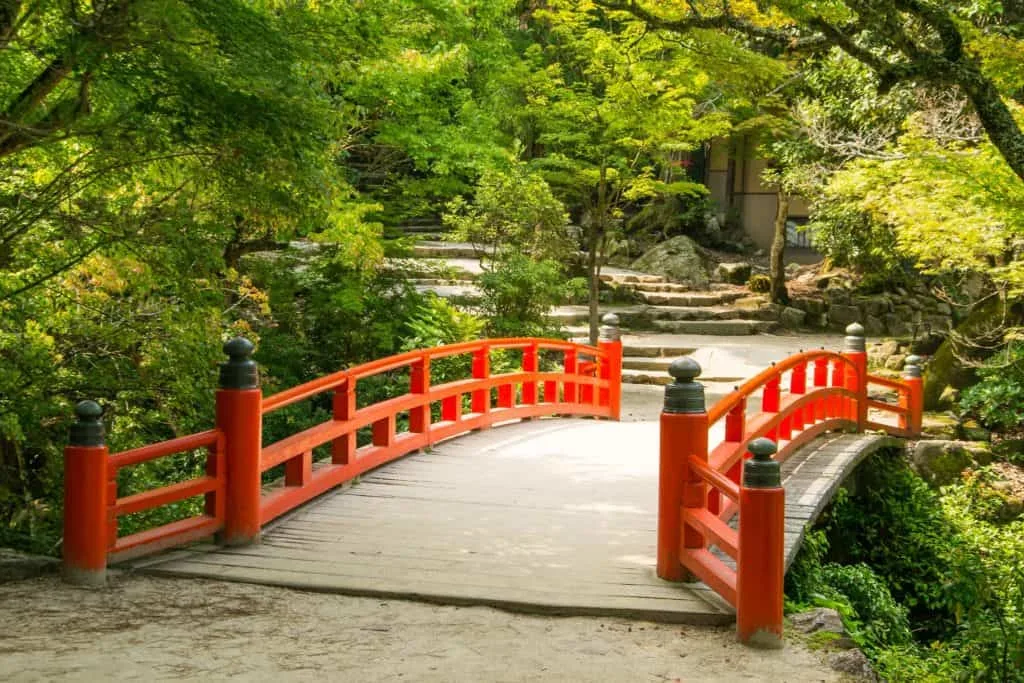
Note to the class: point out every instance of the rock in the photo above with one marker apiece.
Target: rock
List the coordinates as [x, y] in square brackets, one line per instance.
[940, 462]
[817, 620]
[853, 663]
[734, 273]
[792, 318]
[15, 566]
[897, 325]
[844, 315]
[895, 362]
[944, 308]
[873, 327]
[792, 269]
[813, 306]
[927, 344]
[679, 259]
[712, 230]
[887, 348]
[876, 305]
[939, 426]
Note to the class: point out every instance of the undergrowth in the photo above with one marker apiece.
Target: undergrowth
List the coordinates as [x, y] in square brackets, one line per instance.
[926, 584]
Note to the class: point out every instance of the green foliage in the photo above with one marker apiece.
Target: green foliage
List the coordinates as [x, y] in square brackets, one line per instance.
[517, 295]
[896, 555]
[997, 399]
[512, 210]
[759, 284]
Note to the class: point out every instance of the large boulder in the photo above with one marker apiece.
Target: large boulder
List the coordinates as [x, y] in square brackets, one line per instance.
[792, 318]
[680, 259]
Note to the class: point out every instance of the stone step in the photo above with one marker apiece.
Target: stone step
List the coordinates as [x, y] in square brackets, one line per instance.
[719, 327]
[460, 293]
[653, 286]
[650, 364]
[661, 377]
[642, 317]
[713, 298]
[424, 228]
[437, 249]
[633, 278]
[646, 351]
[460, 269]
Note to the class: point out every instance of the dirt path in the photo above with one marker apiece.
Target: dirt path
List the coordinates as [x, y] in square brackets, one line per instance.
[144, 628]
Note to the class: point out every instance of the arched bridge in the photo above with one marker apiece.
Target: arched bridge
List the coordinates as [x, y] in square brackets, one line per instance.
[693, 520]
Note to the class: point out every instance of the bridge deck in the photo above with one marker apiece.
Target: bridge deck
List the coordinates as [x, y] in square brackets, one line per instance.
[551, 516]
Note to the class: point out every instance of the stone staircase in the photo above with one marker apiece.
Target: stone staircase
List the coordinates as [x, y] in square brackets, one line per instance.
[666, 321]
[671, 321]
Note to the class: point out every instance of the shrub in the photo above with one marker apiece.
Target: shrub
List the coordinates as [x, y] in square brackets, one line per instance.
[518, 293]
[759, 284]
[997, 400]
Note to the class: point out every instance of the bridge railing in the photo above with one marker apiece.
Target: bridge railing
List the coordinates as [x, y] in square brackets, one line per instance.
[238, 504]
[702, 489]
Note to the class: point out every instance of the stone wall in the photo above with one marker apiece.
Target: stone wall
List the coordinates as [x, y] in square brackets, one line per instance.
[902, 314]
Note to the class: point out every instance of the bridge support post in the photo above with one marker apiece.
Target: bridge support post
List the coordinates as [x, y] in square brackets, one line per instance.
[610, 341]
[913, 400]
[86, 492]
[855, 348]
[240, 419]
[760, 567]
[684, 432]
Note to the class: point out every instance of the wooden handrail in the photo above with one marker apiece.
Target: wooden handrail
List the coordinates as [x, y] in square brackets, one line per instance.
[827, 391]
[234, 500]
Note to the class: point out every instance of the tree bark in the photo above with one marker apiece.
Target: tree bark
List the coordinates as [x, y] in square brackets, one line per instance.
[597, 224]
[777, 263]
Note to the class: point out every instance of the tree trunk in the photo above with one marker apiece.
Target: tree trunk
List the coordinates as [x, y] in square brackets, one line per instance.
[777, 264]
[996, 118]
[593, 241]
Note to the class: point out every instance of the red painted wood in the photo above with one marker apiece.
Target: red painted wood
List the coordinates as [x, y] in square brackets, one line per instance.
[240, 418]
[85, 513]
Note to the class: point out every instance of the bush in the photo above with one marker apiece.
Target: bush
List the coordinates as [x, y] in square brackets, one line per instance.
[997, 400]
[898, 559]
[514, 210]
[759, 284]
[518, 293]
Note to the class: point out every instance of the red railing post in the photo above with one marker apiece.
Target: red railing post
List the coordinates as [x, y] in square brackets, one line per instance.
[760, 567]
[343, 449]
[771, 398]
[684, 432]
[610, 341]
[86, 494]
[531, 363]
[240, 419]
[481, 400]
[798, 387]
[735, 430]
[570, 367]
[836, 404]
[820, 380]
[419, 384]
[913, 399]
[855, 348]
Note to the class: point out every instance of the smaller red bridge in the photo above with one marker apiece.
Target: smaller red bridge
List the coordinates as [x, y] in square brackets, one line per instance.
[720, 514]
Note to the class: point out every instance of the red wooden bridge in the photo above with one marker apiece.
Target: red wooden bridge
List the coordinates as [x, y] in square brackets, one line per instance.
[694, 520]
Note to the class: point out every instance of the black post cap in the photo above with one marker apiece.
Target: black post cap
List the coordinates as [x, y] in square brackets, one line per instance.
[685, 394]
[87, 430]
[240, 370]
[854, 340]
[761, 471]
[912, 366]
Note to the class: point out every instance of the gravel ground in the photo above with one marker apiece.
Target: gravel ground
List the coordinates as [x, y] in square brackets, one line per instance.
[146, 628]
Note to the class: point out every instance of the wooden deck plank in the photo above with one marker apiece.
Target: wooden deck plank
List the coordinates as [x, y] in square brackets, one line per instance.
[549, 516]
